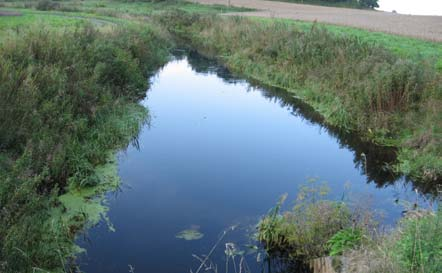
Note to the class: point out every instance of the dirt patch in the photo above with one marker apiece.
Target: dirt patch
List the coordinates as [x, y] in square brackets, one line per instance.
[422, 27]
[9, 13]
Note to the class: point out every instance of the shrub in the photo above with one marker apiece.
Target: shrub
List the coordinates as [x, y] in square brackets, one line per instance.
[369, 3]
[47, 5]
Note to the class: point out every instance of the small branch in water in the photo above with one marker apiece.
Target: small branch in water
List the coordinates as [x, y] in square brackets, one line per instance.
[213, 248]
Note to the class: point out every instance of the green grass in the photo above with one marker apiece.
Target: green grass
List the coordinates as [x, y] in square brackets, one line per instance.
[146, 7]
[350, 231]
[402, 46]
[70, 14]
[29, 17]
[117, 8]
[303, 233]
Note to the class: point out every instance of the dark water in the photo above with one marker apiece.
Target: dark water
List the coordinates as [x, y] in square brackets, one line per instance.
[219, 152]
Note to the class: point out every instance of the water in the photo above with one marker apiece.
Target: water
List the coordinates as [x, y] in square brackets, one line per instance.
[219, 152]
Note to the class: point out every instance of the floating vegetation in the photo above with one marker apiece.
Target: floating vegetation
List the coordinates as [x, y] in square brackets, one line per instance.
[190, 234]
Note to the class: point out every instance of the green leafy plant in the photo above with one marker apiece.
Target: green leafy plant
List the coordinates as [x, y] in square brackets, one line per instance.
[343, 240]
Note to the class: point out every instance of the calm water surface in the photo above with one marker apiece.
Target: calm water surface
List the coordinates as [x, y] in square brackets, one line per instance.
[220, 152]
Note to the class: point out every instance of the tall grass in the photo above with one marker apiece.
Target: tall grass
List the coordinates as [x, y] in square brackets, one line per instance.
[419, 247]
[355, 85]
[317, 228]
[66, 99]
[314, 228]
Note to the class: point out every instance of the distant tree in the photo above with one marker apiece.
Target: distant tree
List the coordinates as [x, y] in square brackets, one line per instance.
[369, 3]
[341, 3]
[350, 3]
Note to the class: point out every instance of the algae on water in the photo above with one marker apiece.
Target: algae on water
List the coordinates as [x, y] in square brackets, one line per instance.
[89, 202]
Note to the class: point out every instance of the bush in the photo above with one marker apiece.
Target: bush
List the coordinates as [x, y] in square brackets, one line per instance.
[47, 5]
[369, 3]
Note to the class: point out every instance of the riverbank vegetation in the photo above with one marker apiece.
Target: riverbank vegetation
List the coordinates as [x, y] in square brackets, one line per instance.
[351, 236]
[69, 95]
[404, 47]
[68, 99]
[354, 85]
[120, 8]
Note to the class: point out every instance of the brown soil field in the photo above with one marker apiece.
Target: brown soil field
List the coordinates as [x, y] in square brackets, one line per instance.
[423, 27]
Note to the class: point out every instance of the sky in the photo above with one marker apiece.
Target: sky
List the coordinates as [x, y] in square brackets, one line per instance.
[417, 7]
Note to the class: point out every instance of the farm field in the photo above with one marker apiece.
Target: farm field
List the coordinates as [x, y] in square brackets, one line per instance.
[424, 27]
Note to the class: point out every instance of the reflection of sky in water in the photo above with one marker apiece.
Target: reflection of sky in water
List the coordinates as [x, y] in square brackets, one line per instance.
[216, 154]
[421, 7]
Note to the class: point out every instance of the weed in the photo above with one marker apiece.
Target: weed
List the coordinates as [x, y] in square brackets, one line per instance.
[303, 232]
[343, 240]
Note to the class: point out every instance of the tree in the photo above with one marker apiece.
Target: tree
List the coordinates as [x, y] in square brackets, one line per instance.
[369, 3]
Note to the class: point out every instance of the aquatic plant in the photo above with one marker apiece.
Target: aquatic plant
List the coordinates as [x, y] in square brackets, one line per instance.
[189, 234]
[232, 254]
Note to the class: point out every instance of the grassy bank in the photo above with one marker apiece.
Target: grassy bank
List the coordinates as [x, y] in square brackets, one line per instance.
[68, 100]
[351, 236]
[355, 85]
[404, 47]
[119, 8]
[27, 18]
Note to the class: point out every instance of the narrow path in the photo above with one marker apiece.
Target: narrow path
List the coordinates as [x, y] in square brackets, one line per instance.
[99, 22]
[9, 13]
[423, 27]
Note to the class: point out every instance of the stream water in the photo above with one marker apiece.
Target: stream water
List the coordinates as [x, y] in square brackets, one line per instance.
[219, 152]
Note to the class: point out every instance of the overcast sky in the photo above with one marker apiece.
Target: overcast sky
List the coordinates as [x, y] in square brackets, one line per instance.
[421, 7]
